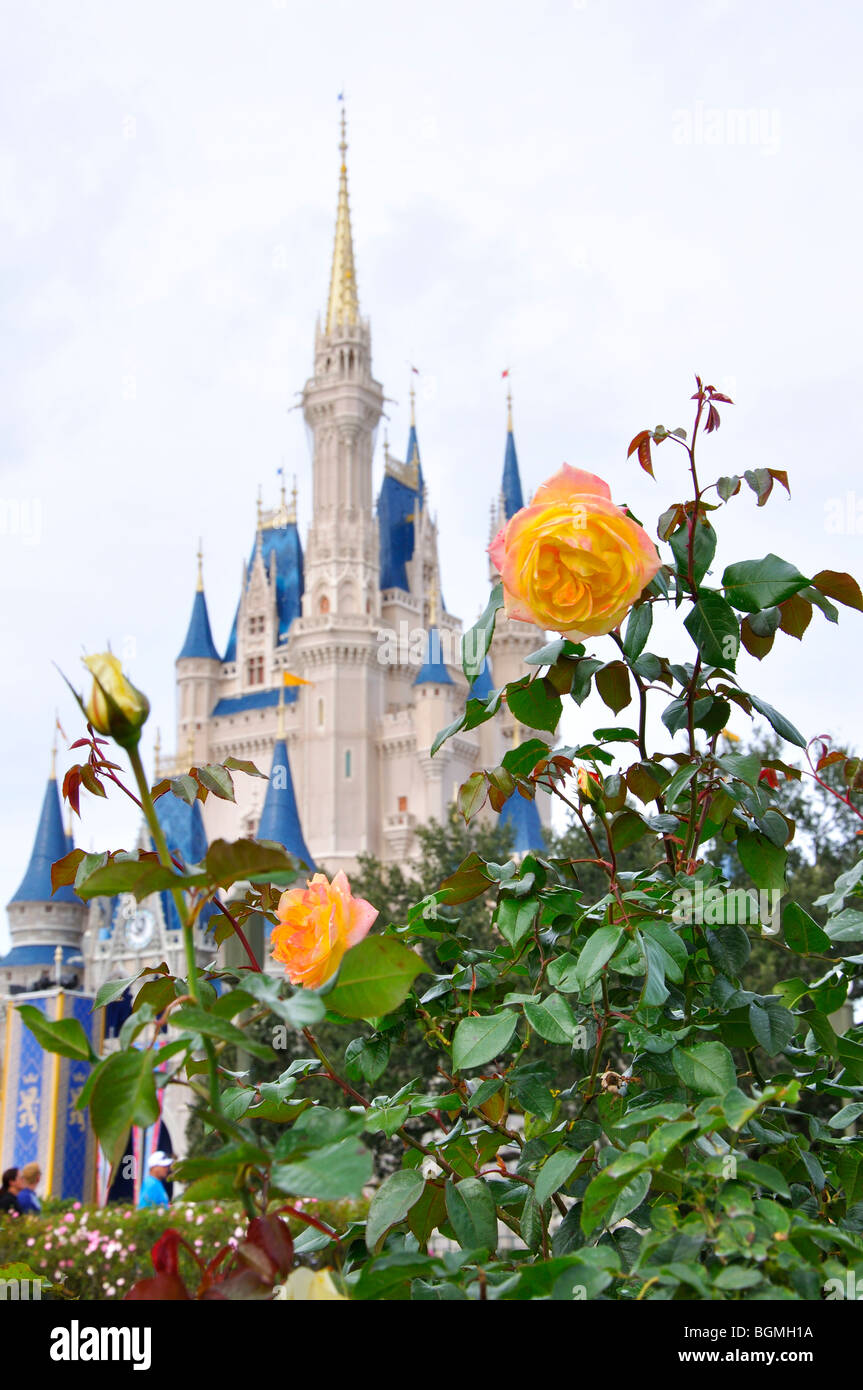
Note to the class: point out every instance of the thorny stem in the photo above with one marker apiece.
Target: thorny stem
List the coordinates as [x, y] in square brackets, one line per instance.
[186, 922]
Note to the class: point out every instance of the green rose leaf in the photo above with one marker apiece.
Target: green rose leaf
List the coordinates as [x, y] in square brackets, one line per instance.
[715, 629]
[65, 1037]
[773, 1026]
[703, 549]
[755, 584]
[612, 683]
[329, 1173]
[472, 1215]
[123, 1095]
[480, 1040]
[536, 704]
[763, 861]
[391, 1204]
[783, 727]
[477, 641]
[802, 933]
[555, 1172]
[707, 1068]
[552, 1018]
[596, 952]
[638, 630]
[375, 978]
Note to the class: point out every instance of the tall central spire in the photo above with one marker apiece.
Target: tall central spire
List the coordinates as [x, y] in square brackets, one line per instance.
[343, 309]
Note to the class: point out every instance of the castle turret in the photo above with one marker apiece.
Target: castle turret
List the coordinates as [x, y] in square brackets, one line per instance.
[435, 696]
[198, 667]
[42, 922]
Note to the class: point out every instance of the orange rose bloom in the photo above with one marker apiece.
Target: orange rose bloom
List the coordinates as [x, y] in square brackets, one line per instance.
[572, 561]
[317, 924]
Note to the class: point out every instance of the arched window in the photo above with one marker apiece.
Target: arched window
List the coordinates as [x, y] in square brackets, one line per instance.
[323, 604]
[320, 714]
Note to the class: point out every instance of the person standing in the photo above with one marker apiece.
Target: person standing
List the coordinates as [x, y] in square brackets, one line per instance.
[29, 1178]
[9, 1193]
[153, 1190]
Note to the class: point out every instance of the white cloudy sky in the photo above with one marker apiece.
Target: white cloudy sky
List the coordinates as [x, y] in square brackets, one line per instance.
[534, 185]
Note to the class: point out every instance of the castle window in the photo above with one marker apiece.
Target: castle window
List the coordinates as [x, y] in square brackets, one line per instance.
[347, 762]
[320, 714]
[255, 674]
[256, 624]
[323, 604]
[403, 803]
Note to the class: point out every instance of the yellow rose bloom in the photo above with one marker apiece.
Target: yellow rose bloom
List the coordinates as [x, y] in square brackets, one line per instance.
[572, 561]
[317, 924]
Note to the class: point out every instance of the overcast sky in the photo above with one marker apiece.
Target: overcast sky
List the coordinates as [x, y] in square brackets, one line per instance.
[602, 195]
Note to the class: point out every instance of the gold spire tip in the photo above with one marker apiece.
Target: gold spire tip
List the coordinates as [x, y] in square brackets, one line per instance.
[413, 396]
[292, 510]
[509, 409]
[343, 310]
[200, 566]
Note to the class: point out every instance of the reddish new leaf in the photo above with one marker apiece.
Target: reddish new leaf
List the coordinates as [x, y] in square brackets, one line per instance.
[843, 587]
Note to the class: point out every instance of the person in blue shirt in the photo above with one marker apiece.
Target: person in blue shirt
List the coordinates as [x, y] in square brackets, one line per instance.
[153, 1190]
[29, 1178]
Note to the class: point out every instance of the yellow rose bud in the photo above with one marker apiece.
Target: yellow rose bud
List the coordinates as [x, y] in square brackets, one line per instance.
[309, 1286]
[115, 706]
[572, 561]
[317, 924]
[589, 787]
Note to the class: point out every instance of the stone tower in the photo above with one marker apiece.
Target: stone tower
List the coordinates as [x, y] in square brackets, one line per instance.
[335, 641]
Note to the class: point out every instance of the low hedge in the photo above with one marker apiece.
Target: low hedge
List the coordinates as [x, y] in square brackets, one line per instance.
[100, 1252]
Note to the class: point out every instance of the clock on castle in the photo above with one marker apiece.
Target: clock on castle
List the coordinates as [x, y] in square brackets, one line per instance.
[348, 753]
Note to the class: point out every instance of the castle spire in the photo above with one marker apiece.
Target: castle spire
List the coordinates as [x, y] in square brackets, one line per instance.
[199, 637]
[343, 309]
[511, 493]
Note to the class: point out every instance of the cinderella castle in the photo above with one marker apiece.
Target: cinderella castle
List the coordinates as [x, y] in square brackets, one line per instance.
[341, 666]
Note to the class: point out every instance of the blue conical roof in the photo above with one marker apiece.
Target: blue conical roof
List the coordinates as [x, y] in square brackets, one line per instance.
[183, 826]
[484, 683]
[413, 453]
[513, 500]
[522, 815]
[199, 639]
[50, 845]
[280, 819]
[433, 668]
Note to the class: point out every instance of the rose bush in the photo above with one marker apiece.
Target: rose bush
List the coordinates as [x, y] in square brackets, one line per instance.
[707, 1146]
